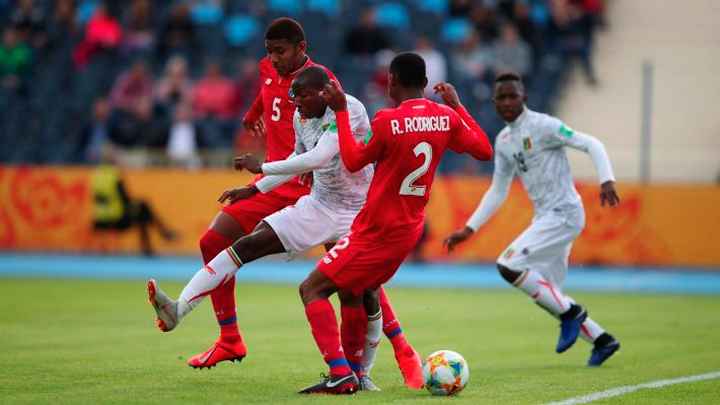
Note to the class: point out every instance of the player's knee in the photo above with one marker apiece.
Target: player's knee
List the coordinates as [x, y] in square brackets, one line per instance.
[508, 274]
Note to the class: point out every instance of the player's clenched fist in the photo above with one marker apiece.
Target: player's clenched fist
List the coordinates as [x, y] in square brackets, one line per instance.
[247, 162]
[448, 93]
[457, 237]
[334, 96]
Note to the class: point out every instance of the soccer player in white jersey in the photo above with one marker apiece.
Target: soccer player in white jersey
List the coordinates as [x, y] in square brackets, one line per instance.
[532, 146]
[323, 216]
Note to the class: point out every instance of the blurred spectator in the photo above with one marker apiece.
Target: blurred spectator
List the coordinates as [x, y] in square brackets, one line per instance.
[131, 87]
[137, 128]
[247, 85]
[434, 61]
[103, 32]
[376, 92]
[96, 135]
[29, 19]
[174, 87]
[139, 34]
[62, 26]
[526, 27]
[511, 53]
[485, 21]
[366, 38]
[214, 94]
[15, 60]
[114, 209]
[182, 141]
[178, 33]
[460, 8]
[571, 29]
[473, 59]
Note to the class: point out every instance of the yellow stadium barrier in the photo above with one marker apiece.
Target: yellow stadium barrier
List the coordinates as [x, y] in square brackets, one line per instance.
[50, 208]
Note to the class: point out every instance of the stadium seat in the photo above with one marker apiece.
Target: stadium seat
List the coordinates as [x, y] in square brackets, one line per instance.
[456, 30]
[439, 7]
[206, 13]
[241, 29]
[393, 15]
[330, 8]
[285, 7]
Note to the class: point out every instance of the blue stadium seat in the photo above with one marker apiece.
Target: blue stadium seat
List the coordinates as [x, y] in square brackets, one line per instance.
[432, 6]
[241, 29]
[455, 30]
[393, 15]
[330, 8]
[85, 10]
[288, 7]
[206, 13]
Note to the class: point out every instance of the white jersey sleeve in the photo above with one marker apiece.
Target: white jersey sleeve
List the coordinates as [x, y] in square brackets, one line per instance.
[496, 194]
[271, 182]
[326, 148]
[556, 134]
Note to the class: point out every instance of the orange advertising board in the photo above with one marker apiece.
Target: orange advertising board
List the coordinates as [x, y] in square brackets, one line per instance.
[49, 209]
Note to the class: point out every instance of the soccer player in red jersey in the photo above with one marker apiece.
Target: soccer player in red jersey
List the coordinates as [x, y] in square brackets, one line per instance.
[406, 145]
[271, 115]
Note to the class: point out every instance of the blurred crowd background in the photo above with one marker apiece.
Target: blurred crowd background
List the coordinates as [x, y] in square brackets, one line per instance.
[166, 83]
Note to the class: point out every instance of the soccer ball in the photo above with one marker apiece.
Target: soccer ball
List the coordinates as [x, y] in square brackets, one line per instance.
[446, 372]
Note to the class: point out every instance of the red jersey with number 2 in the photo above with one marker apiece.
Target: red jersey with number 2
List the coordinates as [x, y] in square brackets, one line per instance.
[277, 109]
[407, 143]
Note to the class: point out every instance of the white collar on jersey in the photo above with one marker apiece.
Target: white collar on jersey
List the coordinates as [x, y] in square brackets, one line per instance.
[519, 120]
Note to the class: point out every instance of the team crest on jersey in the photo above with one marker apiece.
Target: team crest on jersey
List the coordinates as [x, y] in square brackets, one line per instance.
[566, 131]
[268, 81]
[527, 144]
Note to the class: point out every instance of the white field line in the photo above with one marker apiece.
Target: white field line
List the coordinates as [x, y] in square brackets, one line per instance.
[614, 392]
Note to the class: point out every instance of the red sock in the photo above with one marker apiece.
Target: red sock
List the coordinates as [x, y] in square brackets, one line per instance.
[391, 326]
[223, 297]
[321, 316]
[353, 331]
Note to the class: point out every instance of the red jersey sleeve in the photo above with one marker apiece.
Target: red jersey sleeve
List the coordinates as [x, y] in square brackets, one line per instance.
[468, 137]
[357, 155]
[255, 111]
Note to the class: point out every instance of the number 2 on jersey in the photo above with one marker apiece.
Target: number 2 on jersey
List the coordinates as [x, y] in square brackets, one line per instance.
[276, 109]
[407, 187]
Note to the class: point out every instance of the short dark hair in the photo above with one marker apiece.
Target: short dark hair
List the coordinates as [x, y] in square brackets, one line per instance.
[285, 28]
[508, 77]
[409, 70]
[313, 76]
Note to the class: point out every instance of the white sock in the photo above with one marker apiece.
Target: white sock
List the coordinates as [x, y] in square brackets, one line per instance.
[543, 292]
[220, 269]
[590, 330]
[372, 341]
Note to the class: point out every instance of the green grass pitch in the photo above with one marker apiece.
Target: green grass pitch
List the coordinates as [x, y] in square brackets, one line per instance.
[70, 341]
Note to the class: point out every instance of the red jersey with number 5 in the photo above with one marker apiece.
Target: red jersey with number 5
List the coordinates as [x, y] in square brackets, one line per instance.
[407, 143]
[277, 109]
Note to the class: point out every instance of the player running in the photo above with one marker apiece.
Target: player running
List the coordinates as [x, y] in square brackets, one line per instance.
[406, 144]
[531, 146]
[321, 217]
[271, 115]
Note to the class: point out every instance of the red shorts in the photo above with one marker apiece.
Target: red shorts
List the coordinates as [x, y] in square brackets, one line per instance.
[249, 212]
[356, 264]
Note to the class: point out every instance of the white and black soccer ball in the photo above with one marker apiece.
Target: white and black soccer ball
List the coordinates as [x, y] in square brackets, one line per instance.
[446, 373]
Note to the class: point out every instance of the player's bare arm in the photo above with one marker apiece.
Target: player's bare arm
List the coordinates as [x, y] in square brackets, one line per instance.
[457, 237]
[608, 194]
[237, 194]
[256, 128]
[247, 162]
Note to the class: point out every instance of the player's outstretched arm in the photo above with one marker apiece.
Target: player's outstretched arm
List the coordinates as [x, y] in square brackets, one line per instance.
[315, 158]
[598, 154]
[472, 139]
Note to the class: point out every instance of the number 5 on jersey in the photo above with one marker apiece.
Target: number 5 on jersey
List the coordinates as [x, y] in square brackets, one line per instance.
[276, 109]
[407, 187]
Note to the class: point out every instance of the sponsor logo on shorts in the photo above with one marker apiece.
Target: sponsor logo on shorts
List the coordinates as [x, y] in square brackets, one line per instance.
[525, 251]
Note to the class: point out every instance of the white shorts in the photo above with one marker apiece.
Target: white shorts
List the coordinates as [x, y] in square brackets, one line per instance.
[309, 223]
[545, 245]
